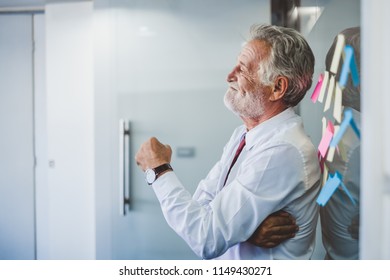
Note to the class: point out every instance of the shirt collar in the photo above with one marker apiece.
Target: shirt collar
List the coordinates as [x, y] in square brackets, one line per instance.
[266, 128]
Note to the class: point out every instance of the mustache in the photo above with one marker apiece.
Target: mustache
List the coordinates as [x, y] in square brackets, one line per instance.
[233, 85]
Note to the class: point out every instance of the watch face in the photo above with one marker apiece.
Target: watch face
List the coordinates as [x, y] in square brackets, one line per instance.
[150, 176]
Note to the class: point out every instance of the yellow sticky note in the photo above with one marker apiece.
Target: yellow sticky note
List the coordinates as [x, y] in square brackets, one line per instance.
[329, 97]
[324, 86]
[324, 175]
[337, 107]
[332, 150]
[342, 151]
[337, 53]
[330, 155]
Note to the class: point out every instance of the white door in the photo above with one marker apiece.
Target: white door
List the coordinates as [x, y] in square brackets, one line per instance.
[17, 214]
[170, 61]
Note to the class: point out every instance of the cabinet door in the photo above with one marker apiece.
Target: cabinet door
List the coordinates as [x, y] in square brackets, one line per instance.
[17, 211]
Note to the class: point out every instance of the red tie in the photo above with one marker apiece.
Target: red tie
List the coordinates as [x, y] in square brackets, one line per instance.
[238, 152]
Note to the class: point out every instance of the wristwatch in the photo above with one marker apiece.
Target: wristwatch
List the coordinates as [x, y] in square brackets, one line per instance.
[151, 174]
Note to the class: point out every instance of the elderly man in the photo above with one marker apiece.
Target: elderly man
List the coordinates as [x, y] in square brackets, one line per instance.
[268, 164]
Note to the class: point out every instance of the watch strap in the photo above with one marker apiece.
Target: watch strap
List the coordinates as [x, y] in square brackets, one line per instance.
[163, 167]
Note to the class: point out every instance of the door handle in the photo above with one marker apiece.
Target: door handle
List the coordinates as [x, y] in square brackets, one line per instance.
[124, 167]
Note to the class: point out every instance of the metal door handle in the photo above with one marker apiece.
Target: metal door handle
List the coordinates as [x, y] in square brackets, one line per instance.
[124, 167]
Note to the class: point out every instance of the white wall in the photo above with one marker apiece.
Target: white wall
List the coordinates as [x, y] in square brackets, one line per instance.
[17, 215]
[41, 169]
[70, 103]
[104, 127]
[375, 192]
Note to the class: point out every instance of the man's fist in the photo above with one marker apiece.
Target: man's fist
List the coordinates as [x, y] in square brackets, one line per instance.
[152, 153]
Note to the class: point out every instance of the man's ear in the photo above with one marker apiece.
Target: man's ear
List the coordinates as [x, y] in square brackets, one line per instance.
[279, 89]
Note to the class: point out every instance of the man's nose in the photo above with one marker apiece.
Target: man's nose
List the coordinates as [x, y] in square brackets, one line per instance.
[232, 76]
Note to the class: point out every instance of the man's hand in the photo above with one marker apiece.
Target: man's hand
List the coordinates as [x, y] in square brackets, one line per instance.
[275, 229]
[152, 154]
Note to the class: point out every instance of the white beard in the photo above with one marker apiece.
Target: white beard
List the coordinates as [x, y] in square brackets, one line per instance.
[248, 105]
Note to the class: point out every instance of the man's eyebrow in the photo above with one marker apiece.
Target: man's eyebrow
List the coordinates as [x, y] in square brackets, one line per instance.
[243, 65]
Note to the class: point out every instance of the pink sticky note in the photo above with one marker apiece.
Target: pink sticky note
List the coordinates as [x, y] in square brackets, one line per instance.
[326, 139]
[317, 89]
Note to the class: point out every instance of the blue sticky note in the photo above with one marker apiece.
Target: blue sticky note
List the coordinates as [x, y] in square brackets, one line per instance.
[344, 188]
[333, 183]
[349, 65]
[328, 189]
[354, 70]
[348, 193]
[354, 127]
[347, 121]
[340, 194]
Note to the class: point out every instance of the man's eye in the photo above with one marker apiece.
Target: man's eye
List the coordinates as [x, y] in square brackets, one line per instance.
[243, 70]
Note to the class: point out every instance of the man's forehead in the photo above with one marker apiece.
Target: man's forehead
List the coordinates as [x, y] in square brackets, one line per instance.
[254, 50]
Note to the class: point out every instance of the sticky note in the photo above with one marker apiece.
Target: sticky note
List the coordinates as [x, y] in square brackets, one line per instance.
[347, 121]
[325, 175]
[338, 107]
[337, 53]
[354, 126]
[329, 97]
[341, 197]
[332, 150]
[317, 89]
[349, 66]
[336, 129]
[324, 86]
[348, 193]
[342, 151]
[330, 154]
[330, 187]
[326, 139]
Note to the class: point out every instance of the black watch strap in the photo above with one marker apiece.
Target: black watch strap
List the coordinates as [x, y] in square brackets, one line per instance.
[163, 167]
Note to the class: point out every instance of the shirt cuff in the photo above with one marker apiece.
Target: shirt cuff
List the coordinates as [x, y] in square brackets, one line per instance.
[165, 184]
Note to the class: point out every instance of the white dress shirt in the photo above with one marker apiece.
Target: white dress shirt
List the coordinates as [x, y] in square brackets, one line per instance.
[338, 213]
[277, 169]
